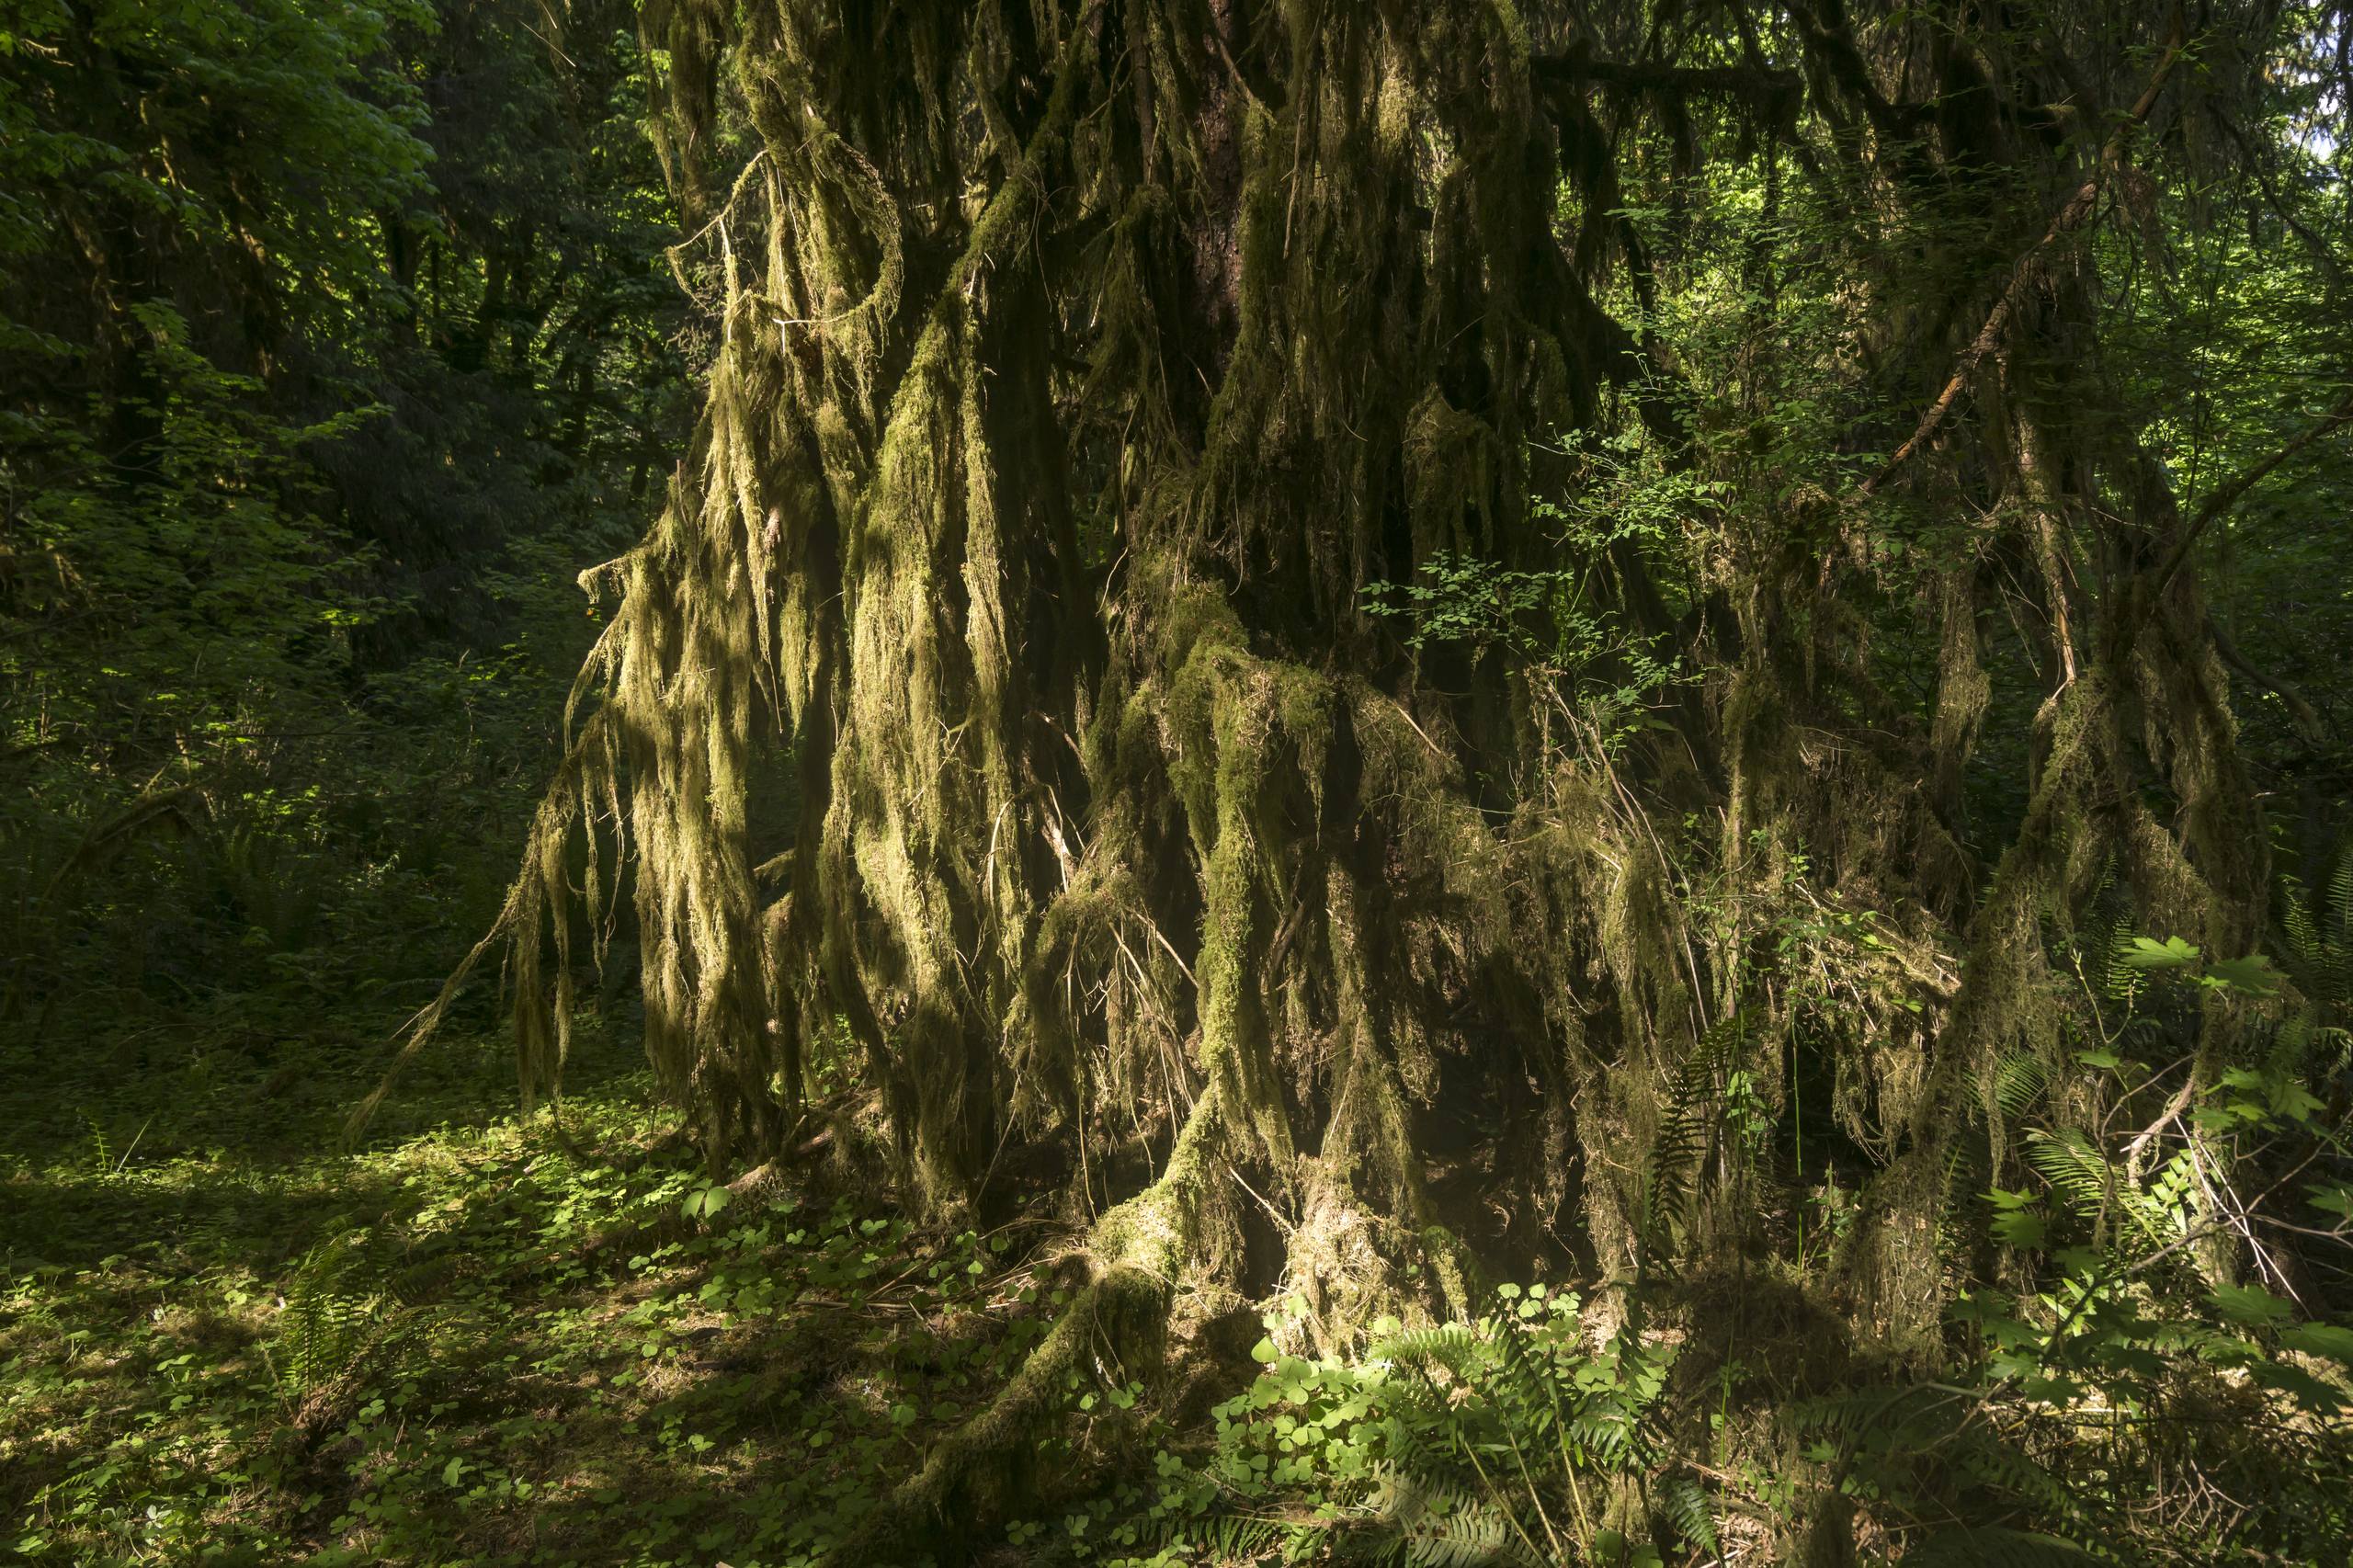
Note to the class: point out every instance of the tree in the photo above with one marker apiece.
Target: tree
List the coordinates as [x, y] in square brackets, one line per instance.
[327, 337]
[1094, 376]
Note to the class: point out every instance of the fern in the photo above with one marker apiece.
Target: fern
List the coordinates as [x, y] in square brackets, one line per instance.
[1246, 1539]
[2096, 1189]
[1690, 1125]
[1414, 1435]
[1531, 1383]
[2313, 941]
[2329, 957]
[329, 1317]
[2020, 1080]
[2002, 1468]
[2103, 935]
[347, 1307]
[426, 1281]
[1480, 1468]
[1914, 1442]
[1452, 1346]
[1442, 1526]
[1688, 1505]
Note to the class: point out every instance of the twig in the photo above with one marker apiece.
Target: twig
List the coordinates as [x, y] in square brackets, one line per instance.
[2223, 499]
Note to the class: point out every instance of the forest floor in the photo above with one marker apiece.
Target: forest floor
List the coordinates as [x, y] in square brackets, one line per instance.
[478, 1339]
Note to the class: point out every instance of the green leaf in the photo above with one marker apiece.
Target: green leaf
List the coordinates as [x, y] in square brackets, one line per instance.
[2321, 1339]
[2249, 1305]
[2298, 1384]
[2252, 974]
[2334, 1197]
[2021, 1228]
[2144, 953]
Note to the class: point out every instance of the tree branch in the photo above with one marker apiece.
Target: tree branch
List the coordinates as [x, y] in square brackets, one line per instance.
[2300, 712]
[2070, 216]
[2223, 500]
[1834, 44]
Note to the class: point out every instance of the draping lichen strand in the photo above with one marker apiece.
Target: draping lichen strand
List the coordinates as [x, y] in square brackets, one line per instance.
[958, 883]
[1080, 365]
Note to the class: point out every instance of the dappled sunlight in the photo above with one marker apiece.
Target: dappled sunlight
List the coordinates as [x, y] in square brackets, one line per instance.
[1176, 784]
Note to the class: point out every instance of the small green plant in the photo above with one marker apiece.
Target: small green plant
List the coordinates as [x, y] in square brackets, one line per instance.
[1454, 1445]
[350, 1308]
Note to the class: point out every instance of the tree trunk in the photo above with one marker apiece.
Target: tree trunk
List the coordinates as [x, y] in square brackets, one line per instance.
[1085, 364]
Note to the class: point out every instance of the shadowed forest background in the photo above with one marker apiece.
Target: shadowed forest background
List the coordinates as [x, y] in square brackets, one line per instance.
[1175, 781]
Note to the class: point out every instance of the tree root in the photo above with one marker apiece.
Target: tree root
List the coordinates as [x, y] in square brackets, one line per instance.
[1118, 1320]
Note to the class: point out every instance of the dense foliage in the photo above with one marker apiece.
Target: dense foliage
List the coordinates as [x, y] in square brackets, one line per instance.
[1461, 783]
[335, 342]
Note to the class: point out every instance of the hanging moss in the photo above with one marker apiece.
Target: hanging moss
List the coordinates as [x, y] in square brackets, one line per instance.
[1079, 366]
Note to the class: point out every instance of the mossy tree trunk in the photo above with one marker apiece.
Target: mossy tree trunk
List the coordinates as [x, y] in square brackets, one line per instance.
[1082, 363]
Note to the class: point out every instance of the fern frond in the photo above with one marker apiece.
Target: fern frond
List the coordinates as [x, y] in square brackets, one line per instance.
[2315, 934]
[1995, 1465]
[2096, 1189]
[2337, 918]
[2019, 1079]
[346, 1309]
[2103, 934]
[1685, 1503]
[1689, 1124]
[428, 1280]
[1533, 1384]
[1850, 1416]
[2079, 1173]
[1443, 1526]
[1452, 1346]
[2300, 942]
[1243, 1538]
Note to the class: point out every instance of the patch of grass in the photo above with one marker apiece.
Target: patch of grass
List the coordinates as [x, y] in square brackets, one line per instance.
[476, 1340]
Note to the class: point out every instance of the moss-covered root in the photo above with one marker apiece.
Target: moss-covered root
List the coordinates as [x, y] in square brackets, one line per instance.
[1116, 1321]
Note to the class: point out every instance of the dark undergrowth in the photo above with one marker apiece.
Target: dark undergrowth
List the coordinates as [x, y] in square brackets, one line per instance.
[486, 1339]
